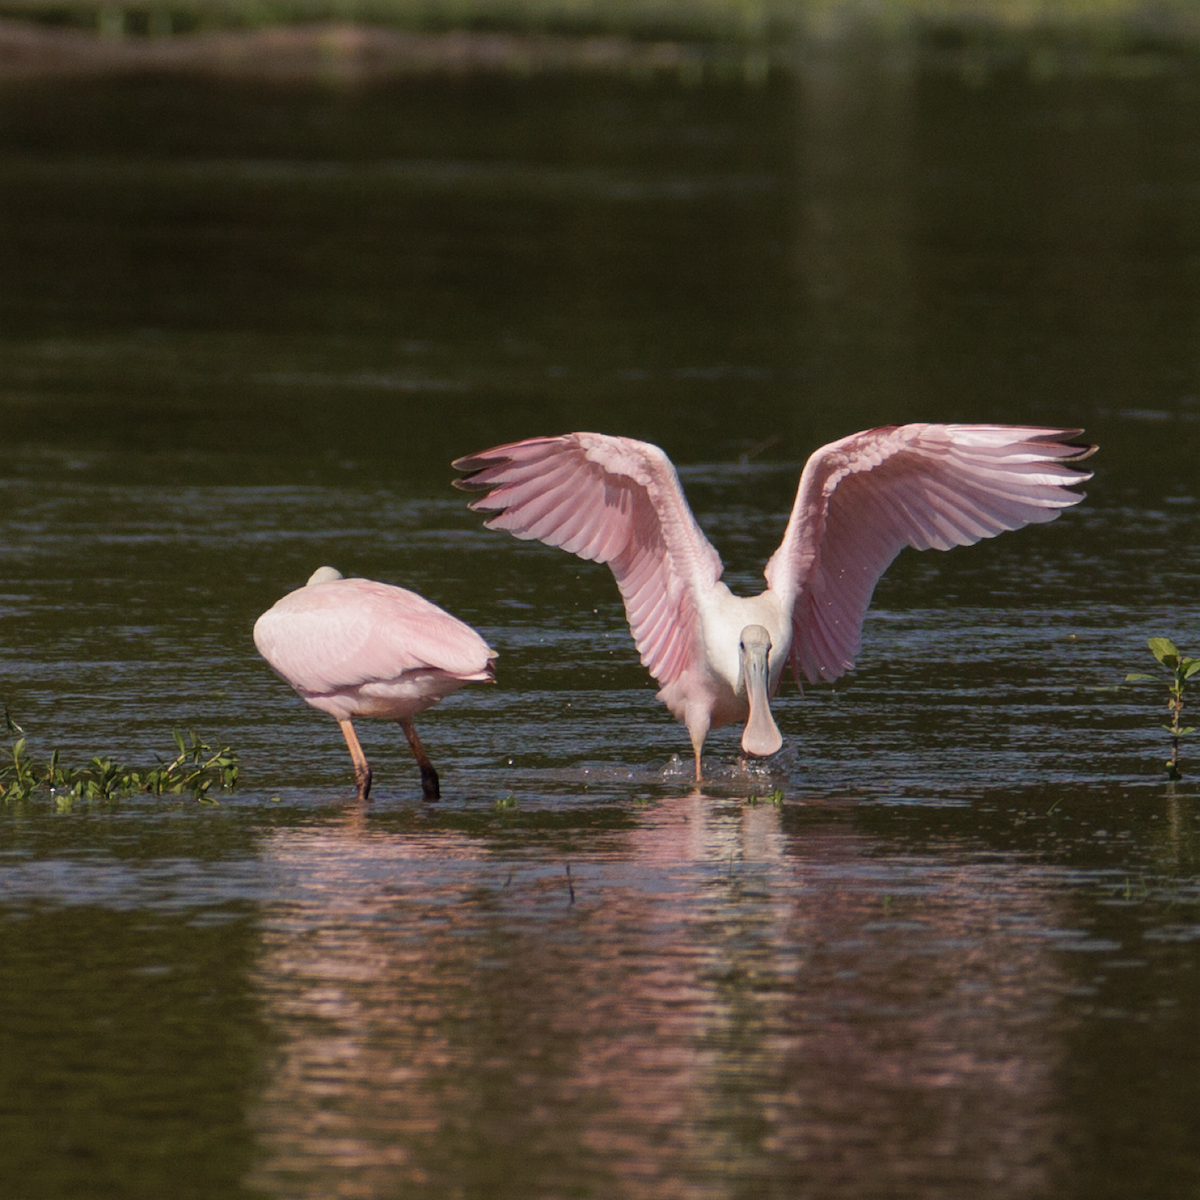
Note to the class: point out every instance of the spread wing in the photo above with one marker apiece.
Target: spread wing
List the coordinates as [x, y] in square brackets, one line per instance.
[329, 636]
[611, 500]
[864, 498]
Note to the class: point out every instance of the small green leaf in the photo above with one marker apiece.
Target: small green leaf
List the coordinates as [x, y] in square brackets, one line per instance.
[1163, 648]
[1137, 678]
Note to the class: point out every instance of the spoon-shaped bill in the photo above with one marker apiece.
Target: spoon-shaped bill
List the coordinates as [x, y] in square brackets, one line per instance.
[761, 736]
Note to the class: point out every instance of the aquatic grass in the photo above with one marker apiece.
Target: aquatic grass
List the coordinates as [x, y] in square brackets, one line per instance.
[195, 770]
[1181, 669]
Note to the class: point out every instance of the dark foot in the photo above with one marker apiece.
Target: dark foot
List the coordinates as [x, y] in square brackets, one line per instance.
[430, 784]
[363, 782]
[429, 777]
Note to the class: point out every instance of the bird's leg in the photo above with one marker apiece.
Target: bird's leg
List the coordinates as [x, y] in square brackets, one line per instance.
[362, 771]
[697, 748]
[429, 777]
[698, 723]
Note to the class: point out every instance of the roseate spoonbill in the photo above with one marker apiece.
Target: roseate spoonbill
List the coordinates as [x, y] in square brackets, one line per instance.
[357, 648]
[719, 657]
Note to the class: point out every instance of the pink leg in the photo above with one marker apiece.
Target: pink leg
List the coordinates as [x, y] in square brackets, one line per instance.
[697, 748]
[362, 772]
[429, 777]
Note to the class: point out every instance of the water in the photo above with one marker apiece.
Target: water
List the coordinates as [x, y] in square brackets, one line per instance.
[243, 332]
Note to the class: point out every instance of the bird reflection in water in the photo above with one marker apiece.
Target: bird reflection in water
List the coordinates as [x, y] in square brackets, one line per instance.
[735, 993]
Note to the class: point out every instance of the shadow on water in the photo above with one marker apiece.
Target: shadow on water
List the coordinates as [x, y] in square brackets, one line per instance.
[945, 944]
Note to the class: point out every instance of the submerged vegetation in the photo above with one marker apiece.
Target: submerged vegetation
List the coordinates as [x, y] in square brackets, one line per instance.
[1181, 669]
[194, 770]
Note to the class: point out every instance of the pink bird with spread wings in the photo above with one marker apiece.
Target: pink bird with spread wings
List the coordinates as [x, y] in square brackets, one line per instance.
[719, 657]
[357, 648]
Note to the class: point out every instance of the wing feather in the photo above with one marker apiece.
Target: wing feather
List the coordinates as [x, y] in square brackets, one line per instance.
[611, 500]
[331, 636]
[864, 498]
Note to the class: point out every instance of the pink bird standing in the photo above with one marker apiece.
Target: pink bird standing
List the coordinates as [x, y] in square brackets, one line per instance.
[719, 657]
[356, 648]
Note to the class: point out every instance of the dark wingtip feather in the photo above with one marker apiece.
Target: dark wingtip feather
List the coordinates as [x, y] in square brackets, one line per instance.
[1065, 438]
[473, 465]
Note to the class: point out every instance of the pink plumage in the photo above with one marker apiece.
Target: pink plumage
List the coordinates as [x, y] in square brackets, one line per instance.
[860, 501]
[357, 648]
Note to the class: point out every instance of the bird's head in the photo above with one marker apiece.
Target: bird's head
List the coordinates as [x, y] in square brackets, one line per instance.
[323, 575]
[761, 735]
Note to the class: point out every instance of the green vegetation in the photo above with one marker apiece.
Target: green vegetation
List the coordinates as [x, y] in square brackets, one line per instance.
[195, 770]
[744, 21]
[775, 798]
[355, 42]
[1181, 669]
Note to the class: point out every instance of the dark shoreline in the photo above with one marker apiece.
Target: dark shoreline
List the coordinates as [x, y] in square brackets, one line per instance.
[342, 53]
[351, 54]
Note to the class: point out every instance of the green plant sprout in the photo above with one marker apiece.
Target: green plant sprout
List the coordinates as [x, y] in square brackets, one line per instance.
[195, 769]
[775, 798]
[1182, 669]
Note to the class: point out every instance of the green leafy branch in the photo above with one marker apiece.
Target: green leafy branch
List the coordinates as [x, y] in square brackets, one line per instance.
[195, 769]
[1181, 669]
